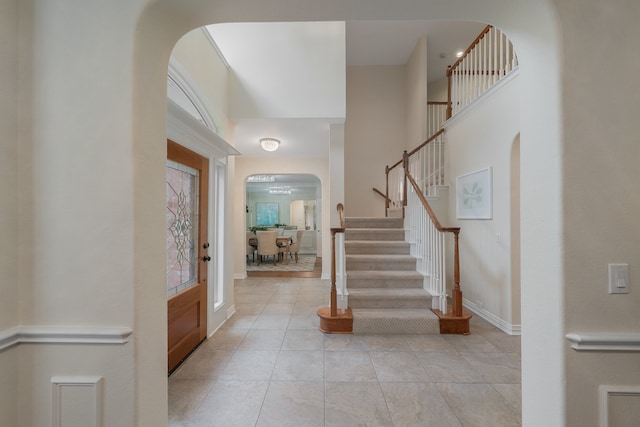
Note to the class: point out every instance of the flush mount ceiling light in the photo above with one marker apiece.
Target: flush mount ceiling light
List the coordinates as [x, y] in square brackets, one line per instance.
[269, 144]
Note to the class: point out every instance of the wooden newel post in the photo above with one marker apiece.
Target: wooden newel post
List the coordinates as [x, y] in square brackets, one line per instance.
[457, 293]
[334, 293]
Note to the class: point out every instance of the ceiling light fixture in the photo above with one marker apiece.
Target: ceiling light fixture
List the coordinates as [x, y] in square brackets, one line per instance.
[261, 178]
[269, 144]
[459, 54]
[280, 190]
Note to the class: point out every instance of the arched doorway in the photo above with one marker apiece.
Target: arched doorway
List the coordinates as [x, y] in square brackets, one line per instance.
[533, 29]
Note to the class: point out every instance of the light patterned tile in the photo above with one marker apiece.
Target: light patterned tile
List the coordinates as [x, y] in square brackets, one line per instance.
[479, 405]
[418, 405]
[368, 409]
[293, 404]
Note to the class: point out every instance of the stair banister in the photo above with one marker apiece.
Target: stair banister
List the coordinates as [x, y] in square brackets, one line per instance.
[337, 251]
[341, 262]
[489, 58]
[457, 293]
[333, 319]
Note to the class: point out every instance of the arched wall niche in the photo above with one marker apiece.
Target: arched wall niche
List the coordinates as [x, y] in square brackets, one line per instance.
[533, 28]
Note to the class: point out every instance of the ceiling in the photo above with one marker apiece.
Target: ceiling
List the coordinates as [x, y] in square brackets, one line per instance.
[367, 43]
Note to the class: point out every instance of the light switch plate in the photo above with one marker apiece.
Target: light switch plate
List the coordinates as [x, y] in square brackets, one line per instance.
[618, 278]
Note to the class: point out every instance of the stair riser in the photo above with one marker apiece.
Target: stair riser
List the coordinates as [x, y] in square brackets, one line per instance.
[368, 265]
[374, 234]
[394, 303]
[385, 326]
[384, 283]
[374, 223]
[377, 249]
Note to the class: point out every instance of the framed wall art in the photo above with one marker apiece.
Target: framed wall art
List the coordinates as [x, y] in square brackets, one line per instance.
[474, 198]
[267, 214]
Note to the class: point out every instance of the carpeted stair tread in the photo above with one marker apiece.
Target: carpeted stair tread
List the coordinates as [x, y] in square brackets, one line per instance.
[396, 234]
[384, 279]
[395, 247]
[385, 294]
[382, 298]
[373, 222]
[380, 262]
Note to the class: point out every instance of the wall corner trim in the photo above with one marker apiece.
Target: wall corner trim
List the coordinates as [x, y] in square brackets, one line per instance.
[604, 341]
[64, 335]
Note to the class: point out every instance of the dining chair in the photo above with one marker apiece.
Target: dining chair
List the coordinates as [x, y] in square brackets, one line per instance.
[251, 250]
[295, 247]
[267, 245]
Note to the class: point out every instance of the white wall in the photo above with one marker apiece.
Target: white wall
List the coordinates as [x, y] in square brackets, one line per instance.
[9, 192]
[262, 87]
[246, 166]
[375, 134]
[481, 137]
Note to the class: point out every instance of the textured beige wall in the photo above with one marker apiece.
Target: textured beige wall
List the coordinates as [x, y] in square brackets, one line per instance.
[9, 164]
[437, 90]
[416, 95]
[600, 177]
[9, 213]
[579, 174]
[375, 134]
[478, 138]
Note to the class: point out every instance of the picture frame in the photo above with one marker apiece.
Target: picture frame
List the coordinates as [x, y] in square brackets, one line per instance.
[267, 213]
[474, 195]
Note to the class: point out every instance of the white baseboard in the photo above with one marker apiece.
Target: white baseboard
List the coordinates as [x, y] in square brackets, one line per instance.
[499, 323]
[240, 276]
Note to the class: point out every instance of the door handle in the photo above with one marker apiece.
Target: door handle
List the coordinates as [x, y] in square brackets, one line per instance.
[206, 258]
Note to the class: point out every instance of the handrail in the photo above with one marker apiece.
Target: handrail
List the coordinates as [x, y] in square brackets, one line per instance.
[375, 190]
[431, 138]
[430, 162]
[469, 49]
[457, 293]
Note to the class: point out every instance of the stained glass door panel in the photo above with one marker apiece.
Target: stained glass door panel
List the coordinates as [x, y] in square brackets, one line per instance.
[187, 251]
[182, 227]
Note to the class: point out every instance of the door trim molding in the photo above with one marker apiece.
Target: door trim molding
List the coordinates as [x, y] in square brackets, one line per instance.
[64, 335]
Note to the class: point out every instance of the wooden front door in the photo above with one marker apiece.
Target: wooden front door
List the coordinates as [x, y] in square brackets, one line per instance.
[187, 251]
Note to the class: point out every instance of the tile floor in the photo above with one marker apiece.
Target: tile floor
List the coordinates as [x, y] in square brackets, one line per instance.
[270, 366]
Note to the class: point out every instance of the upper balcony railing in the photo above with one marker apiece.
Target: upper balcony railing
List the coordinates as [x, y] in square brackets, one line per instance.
[488, 59]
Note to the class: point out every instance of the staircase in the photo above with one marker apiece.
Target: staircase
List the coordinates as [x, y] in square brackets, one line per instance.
[386, 292]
